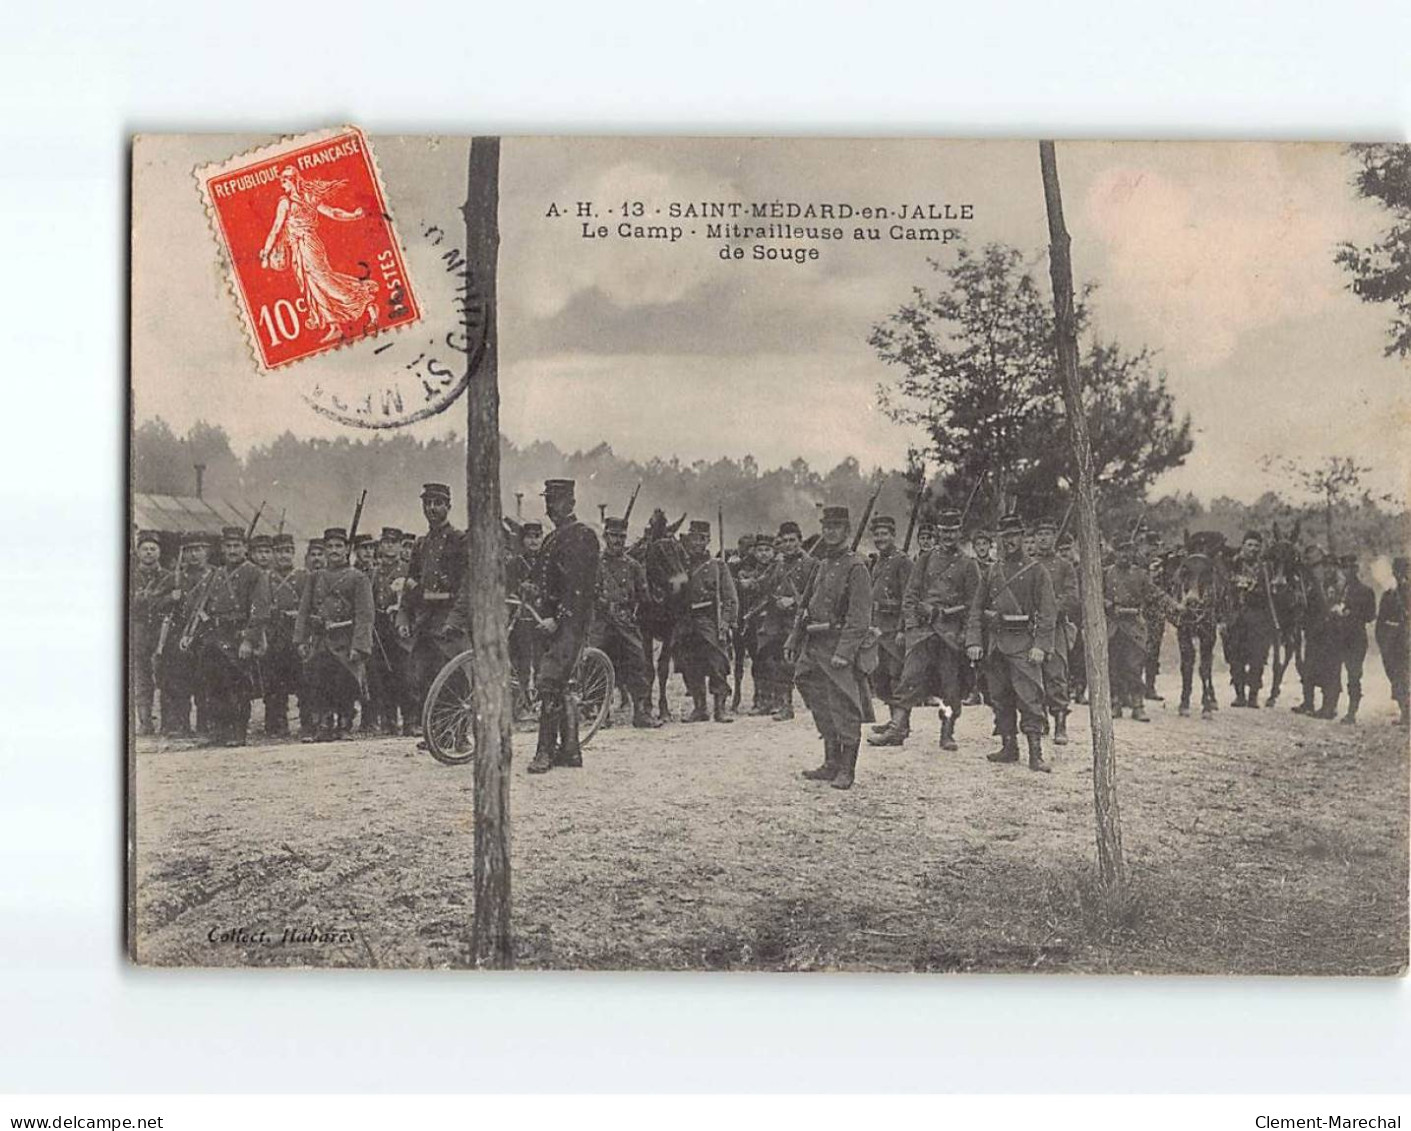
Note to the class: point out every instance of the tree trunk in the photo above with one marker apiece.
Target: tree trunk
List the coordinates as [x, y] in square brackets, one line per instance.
[1111, 869]
[490, 940]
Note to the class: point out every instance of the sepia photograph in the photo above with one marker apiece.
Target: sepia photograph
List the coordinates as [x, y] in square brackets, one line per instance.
[768, 554]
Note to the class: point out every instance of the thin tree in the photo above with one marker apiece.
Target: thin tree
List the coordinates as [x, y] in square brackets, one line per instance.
[1111, 870]
[1381, 272]
[491, 943]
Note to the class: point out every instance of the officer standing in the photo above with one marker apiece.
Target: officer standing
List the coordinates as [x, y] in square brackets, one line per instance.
[334, 635]
[1322, 670]
[1127, 592]
[566, 582]
[755, 587]
[828, 647]
[935, 607]
[282, 665]
[890, 570]
[1016, 598]
[149, 586]
[177, 672]
[780, 593]
[622, 587]
[1065, 632]
[699, 645]
[1249, 628]
[1393, 640]
[1359, 610]
[428, 617]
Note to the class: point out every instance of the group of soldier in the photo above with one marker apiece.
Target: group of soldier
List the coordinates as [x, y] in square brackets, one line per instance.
[365, 624]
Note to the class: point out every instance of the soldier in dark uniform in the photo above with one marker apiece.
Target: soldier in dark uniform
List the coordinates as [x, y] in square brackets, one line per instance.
[699, 642]
[1358, 611]
[566, 582]
[385, 663]
[779, 593]
[314, 559]
[333, 632]
[1322, 586]
[281, 664]
[934, 610]
[925, 537]
[364, 553]
[1015, 597]
[149, 589]
[622, 587]
[1065, 631]
[890, 570]
[1393, 641]
[229, 633]
[1067, 548]
[428, 616]
[1127, 591]
[830, 645]
[524, 638]
[977, 688]
[176, 671]
[754, 588]
[1249, 625]
[408, 548]
[1154, 614]
[744, 567]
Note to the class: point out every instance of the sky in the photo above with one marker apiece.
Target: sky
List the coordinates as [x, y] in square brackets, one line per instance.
[1217, 256]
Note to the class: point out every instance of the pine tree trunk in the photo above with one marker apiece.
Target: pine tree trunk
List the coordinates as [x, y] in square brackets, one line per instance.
[491, 943]
[1111, 869]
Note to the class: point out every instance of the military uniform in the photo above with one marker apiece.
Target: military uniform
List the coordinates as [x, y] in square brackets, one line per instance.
[1155, 616]
[1349, 621]
[387, 663]
[745, 571]
[1127, 593]
[1015, 601]
[778, 593]
[566, 582]
[149, 590]
[698, 644]
[1322, 668]
[524, 637]
[935, 608]
[1394, 639]
[430, 611]
[890, 573]
[835, 653]
[1249, 625]
[282, 669]
[177, 672]
[621, 589]
[334, 629]
[1069, 614]
[234, 604]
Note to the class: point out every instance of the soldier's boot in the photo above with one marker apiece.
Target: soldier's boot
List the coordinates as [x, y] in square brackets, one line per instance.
[829, 768]
[1184, 707]
[327, 727]
[642, 714]
[144, 718]
[699, 714]
[847, 764]
[277, 716]
[1139, 714]
[1036, 754]
[948, 733]
[664, 708]
[1353, 702]
[1254, 697]
[1060, 728]
[894, 731]
[548, 739]
[786, 706]
[1150, 692]
[1008, 750]
[1240, 700]
[721, 715]
[570, 751]
[1329, 709]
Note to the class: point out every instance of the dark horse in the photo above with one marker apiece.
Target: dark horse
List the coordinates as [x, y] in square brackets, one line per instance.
[1288, 596]
[664, 558]
[1197, 590]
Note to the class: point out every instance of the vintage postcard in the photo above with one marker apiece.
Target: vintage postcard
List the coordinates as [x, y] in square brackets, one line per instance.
[769, 554]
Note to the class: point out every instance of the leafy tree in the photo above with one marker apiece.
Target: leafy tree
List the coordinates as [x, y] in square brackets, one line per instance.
[1382, 272]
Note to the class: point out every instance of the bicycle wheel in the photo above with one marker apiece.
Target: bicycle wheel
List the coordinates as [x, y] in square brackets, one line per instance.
[593, 681]
[448, 718]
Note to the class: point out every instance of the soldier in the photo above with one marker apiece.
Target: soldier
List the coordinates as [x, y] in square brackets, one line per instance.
[925, 537]
[408, 548]
[524, 637]
[566, 582]
[314, 558]
[1016, 598]
[754, 586]
[282, 667]
[779, 594]
[1393, 641]
[977, 689]
[333, 632]
[385, 663]
[829, 648]
[1067, 548]
[934, 609]
[230, 617]
[745, 569]
[1127, 591]
[364, 553]
[1249, 628]
[1359, 610]
[149, 587]
[1322, 585]
[889, 570]
[428, 617]
[177, 669]
[1069, 612]
[1154, 614]
[622, 587]
[700, 643]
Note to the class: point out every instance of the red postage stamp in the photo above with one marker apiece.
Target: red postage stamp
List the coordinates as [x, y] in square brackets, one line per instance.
[313, 258]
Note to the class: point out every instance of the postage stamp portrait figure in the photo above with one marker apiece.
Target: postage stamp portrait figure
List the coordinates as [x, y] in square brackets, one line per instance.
[311, 252]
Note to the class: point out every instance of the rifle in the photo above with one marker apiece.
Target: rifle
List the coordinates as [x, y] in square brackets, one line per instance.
[254, 522]
[915, 510]
[281, 521]
[866, 515]
[970, 502]
[357, 518]
[719, 565]
[168, 617]
[1273, 616]
[632, 502]
[1062, 526]
[198, 612]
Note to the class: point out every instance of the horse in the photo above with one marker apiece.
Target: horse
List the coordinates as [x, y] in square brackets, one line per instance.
[1288, 596]
[1197, 591]
[664, 558]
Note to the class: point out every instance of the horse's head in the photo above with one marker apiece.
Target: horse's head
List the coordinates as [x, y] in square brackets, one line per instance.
[667, 573]
[1194, 582]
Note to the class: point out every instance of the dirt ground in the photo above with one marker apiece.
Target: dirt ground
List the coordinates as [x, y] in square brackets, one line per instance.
[1260, 842]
